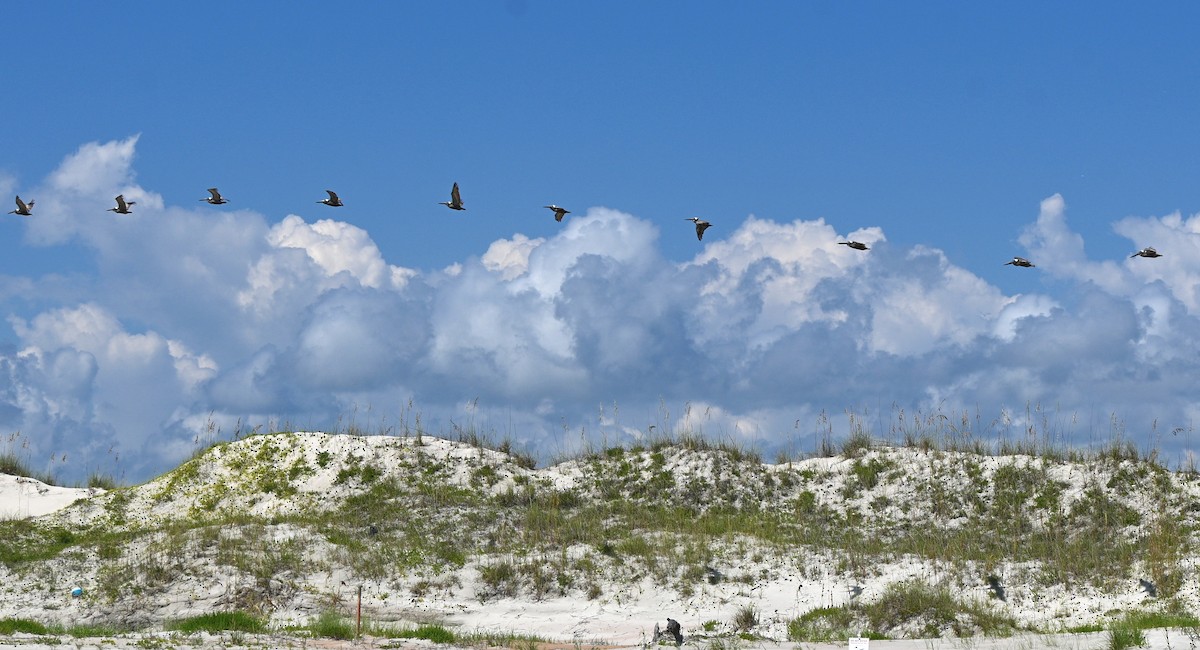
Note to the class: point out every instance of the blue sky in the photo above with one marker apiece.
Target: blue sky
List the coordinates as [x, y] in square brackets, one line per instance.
[950, 136]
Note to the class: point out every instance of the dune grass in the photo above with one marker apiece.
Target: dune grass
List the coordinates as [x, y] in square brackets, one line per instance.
[674, 503]
[11, 463]
[910, 609]
[232, 621]
[330, 625]
[9, 626]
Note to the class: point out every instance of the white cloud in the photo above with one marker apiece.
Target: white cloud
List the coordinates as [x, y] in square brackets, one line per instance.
[225, 317]
[510, 257]
[8, 184]
[1178, 239]
[603, 232]
[77, 195]
[1017, 308]
[96, 168]
[84, 372]
[768, 272]
[929, 303]
[339, 247]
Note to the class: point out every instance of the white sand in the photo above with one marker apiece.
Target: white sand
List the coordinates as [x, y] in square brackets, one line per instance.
[623, 617]
[22, 497]
[1155, 640]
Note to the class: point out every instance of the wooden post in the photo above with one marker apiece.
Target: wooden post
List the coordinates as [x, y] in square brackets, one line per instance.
[358, 618]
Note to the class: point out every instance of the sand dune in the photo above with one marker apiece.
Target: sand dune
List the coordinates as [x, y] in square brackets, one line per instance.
[243, 480]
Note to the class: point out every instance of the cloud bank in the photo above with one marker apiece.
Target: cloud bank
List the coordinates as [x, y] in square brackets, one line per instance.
[195, 320]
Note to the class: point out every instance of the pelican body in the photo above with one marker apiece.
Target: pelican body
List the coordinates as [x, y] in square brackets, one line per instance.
[856, 245]
[559, 213]
[1146, 252]
[455, 202]
[215, 197]
[122, 206]
[24, 209]
[701, 226]
[1020, 261]
[333, 200]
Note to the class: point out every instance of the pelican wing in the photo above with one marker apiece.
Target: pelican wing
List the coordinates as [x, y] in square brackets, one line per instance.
[455, 198]
[333, 197]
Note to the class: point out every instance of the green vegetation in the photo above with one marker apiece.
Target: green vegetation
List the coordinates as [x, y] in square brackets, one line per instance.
[418, 522]
[82, 631]
[10, 463]
[218, 622]
[1127, 631]
[914, 609]
[435, 633]
[330, 625]
[21, 625]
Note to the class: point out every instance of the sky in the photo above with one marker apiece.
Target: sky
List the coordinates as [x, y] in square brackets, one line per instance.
[947, 136]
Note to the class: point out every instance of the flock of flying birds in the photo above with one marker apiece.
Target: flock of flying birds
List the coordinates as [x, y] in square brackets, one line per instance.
[455, 203]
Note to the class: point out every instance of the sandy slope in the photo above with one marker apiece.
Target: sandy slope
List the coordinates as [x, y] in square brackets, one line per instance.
[1155, 639]
[778, 588]
[22, 497]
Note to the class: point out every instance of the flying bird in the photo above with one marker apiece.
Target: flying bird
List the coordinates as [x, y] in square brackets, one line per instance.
[856, 245]
[455, 202]
[559, 213]
[333, 199]
[701, 226]
[216, 198]
[24, 209]
[1020, 261]
[1146, 252]
[122, 206]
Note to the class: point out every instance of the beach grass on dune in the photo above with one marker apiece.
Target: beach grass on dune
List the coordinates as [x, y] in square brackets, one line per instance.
[672, 504]
[218, 622]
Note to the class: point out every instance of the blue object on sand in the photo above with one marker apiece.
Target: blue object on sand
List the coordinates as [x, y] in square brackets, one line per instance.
[77, 592]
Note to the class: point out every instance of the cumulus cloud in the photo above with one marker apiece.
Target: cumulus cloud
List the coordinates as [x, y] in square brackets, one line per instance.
[339, 247]
[85, 184]
[96, 168]
[510, 257]
[1178, 239]
[230, 320]
[88, 373]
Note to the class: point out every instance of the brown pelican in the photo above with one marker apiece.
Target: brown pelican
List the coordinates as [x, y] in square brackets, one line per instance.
[701, 226]
[216, 198]
[1146, 252]
[333, 199]
[559, 213]
[1020, 261]
[856, 245]
[24, 209]
[122, 206]
[455, 202]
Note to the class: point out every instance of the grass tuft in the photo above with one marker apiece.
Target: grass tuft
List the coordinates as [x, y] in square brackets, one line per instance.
[10, 626]
[234, 621]
[331, 625]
